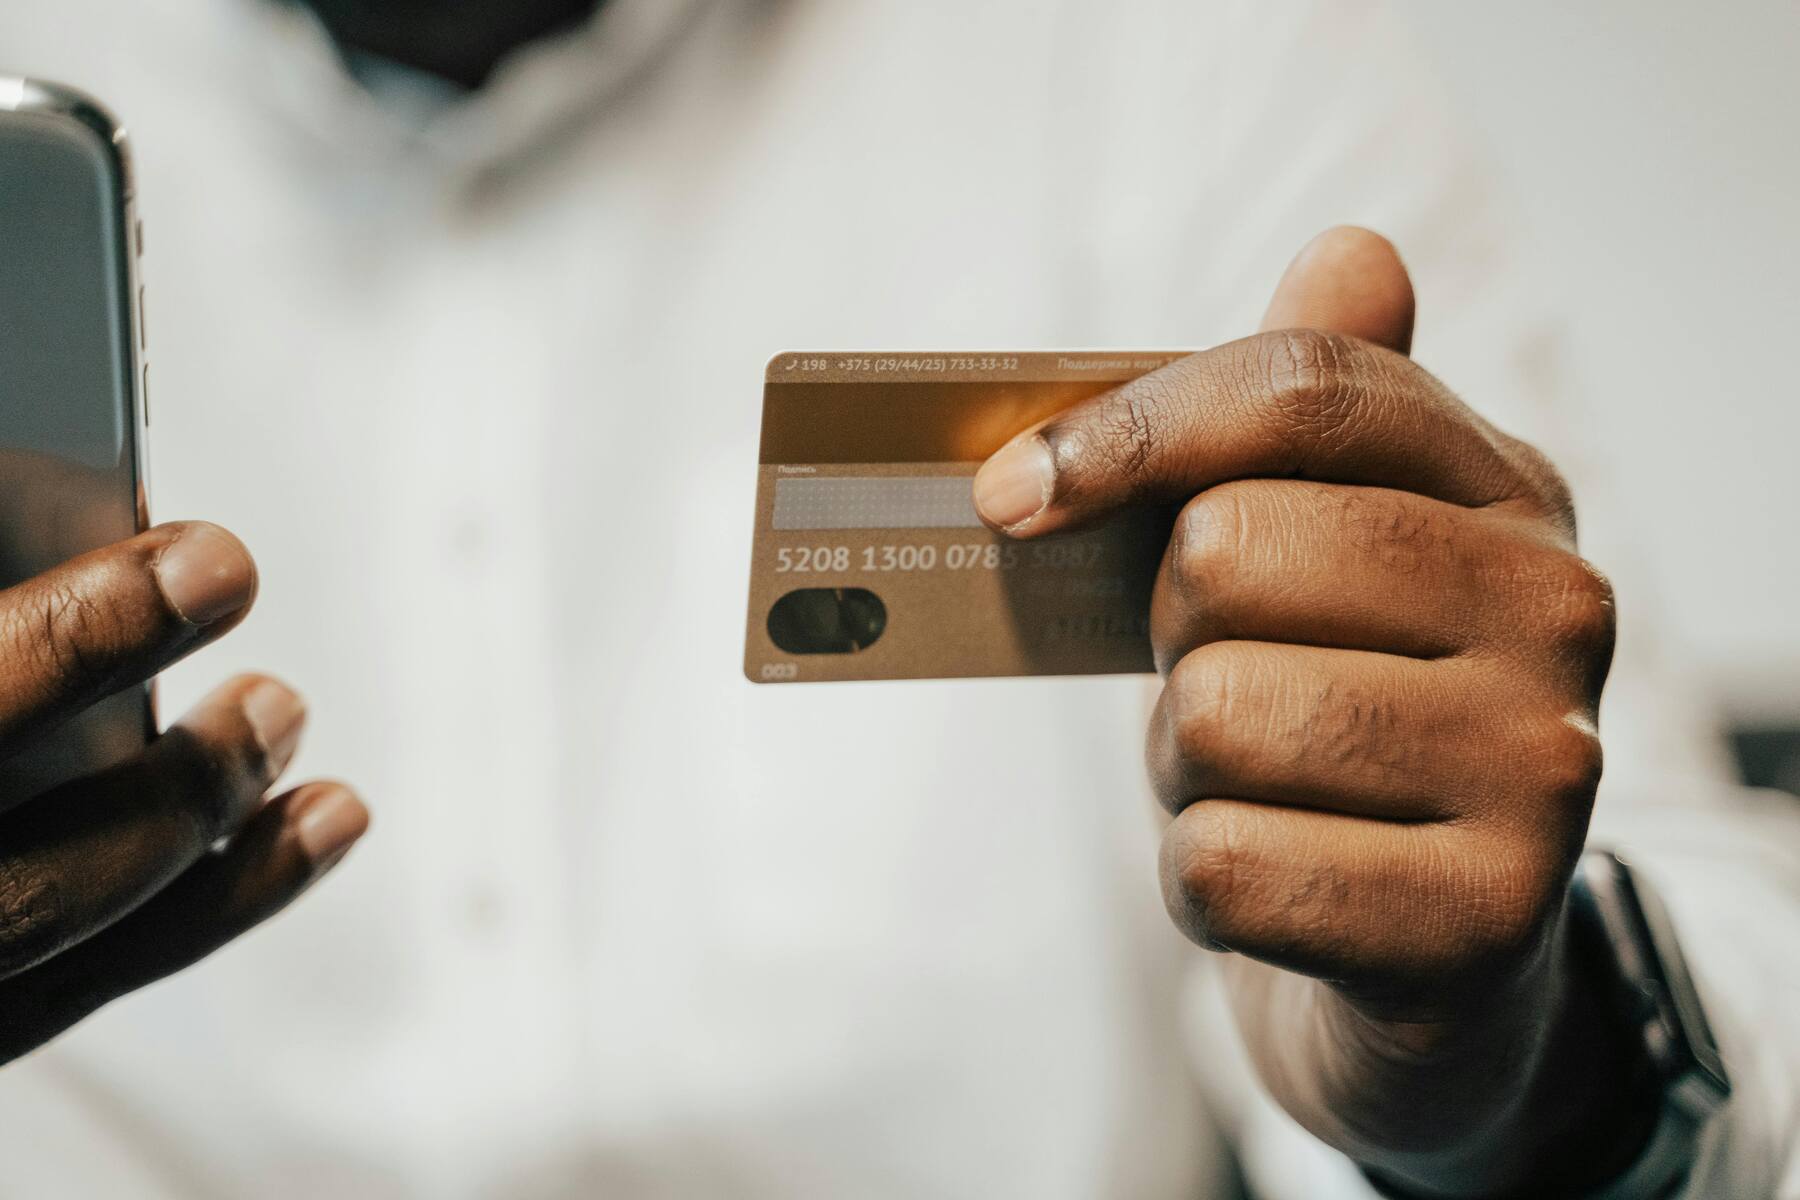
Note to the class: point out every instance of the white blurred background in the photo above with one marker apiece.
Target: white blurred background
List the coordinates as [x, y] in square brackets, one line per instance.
[1653, 148]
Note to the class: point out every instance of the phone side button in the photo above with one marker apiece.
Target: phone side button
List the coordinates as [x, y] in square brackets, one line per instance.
[144, 394]
[143, 319]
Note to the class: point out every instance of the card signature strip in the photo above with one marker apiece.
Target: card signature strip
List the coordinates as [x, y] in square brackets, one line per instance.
[867, 502]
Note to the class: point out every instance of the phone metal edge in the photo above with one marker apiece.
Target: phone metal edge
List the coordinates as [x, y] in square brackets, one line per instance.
[43, 97]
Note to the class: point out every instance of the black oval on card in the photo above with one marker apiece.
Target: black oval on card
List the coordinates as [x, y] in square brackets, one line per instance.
[827, 620]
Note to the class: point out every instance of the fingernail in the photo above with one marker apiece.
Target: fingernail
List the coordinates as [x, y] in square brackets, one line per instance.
[275, 714]
[330, 820]
[205, 573]
[1015, 484]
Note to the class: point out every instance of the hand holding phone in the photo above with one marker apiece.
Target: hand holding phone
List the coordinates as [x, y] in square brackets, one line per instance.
[107, 882]
[111, 870]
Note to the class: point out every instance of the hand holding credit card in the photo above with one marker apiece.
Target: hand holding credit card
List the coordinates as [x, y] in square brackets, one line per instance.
[1383, 657]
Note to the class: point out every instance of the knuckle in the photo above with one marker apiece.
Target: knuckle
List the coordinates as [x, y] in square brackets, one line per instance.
[1311, 379]
[1580, 610]
[1203, 689]
[75, 631]
[21, 633]
[207, 804]
[1350, 727]
[1202, 865]
[31, 915]
[1543, 482]
[1506, 912]
[1568, 761]
[1226, 723]
[66, 629]
[1125, 432]
[191, 784]
[1402, 535]
[1508, 888]
[1208, 545]
[202, 816]
[1497, 933]
[1134, 427]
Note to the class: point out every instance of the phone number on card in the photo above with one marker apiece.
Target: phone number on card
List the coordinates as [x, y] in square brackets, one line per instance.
[909, 365]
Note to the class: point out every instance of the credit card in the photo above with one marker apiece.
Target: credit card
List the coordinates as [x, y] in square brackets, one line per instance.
[869, 561]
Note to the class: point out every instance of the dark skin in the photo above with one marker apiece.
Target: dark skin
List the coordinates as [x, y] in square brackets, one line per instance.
[113, 881]
[1376, 739]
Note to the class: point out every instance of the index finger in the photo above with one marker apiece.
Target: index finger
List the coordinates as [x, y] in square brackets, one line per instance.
[114, 617]
[1293, 403]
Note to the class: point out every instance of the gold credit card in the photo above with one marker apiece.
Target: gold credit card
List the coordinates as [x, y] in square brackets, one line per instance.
[869, 561]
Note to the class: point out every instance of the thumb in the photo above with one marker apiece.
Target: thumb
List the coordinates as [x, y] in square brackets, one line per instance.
[1347, 280]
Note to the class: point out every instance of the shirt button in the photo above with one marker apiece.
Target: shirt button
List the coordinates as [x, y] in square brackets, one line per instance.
[483, 911]
[468, 539]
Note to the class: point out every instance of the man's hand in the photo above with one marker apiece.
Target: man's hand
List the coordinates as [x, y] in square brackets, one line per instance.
[111, 882]
[1383, 659]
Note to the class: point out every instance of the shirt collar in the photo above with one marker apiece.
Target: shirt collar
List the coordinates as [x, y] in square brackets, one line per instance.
[385, 110]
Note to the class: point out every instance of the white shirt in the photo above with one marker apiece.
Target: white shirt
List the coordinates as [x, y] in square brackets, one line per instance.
[478, 383]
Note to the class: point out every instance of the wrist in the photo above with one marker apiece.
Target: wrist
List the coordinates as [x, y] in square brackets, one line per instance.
[1573, 1110]
[1417, 1088]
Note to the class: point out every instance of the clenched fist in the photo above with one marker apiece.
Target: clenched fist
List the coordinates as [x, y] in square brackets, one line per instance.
[1383, 658]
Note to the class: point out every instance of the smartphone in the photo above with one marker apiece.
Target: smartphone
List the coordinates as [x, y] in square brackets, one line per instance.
[72, 382]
